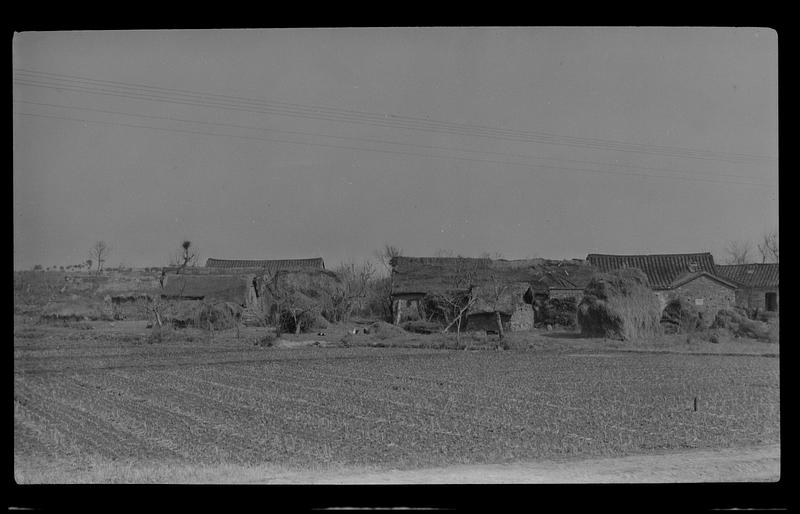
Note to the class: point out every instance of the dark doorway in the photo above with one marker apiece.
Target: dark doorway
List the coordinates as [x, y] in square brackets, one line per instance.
[771, 301]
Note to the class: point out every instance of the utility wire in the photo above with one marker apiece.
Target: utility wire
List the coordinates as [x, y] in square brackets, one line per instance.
[397, 152]
[128, 85]
[372, 140]
[343, 115]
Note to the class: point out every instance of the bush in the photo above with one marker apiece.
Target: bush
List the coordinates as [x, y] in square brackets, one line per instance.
[559, 312]
[681, 317]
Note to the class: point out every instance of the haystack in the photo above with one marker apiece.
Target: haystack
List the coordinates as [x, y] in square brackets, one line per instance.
[300, 297]
[741, 326]
[619, 305]
[680, 317]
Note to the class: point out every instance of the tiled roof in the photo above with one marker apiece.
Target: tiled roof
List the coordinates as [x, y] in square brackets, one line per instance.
[751, 275]
[689, 276]
[267, 265]
[661, 270]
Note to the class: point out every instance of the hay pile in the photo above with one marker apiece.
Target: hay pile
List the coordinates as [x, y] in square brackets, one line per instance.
[681, 317]
[619, 305]
[741, 326]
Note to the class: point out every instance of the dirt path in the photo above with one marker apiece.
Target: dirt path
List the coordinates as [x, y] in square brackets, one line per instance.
[730, 465]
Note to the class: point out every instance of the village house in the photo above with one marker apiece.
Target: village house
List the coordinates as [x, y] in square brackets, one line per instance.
[522, 281]
[757, 284]
[227, 280]
[691, 276]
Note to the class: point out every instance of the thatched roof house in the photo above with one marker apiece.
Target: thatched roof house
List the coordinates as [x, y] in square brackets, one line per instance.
[426, 275]
[415, 277]
[270, 266]
[228, 288]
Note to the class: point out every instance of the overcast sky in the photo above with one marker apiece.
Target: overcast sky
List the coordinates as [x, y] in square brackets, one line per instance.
[548, 142]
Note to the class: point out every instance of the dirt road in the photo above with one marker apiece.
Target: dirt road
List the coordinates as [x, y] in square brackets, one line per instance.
[730, 465]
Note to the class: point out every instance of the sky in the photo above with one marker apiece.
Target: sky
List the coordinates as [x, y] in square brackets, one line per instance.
[296, 143]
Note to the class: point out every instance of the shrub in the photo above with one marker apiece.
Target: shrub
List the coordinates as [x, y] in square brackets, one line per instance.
[680, 317]
[559, 312]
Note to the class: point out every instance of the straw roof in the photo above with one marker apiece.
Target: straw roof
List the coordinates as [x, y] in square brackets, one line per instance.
[230, 288]
[426, 275]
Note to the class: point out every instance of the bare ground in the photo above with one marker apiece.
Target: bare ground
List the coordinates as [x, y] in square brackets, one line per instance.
[729, 465]
[752, 464]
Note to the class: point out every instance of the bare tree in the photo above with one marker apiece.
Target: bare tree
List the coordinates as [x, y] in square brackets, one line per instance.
[460, 294]
[99, 251]
[186, 256]
[739, 252]
[357, 279]
[386, 254]
[768, 247]
[491, 294]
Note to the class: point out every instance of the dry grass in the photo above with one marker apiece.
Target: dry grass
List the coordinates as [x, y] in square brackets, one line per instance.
[620, 305]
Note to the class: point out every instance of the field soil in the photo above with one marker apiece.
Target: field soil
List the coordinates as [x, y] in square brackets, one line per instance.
[99, 402]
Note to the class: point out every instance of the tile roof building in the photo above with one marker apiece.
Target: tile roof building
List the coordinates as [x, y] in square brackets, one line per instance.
[268, 265]
[758, 284]
[691, 276]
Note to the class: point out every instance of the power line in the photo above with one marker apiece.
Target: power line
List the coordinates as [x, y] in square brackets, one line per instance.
[155, 93]
[398, 152]
[128, 85]
[382, 120]
[369, 140]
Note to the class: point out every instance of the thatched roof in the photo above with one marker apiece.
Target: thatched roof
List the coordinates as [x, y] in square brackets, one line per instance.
[507, 302]
[231, 288]
[661, 270]
[270, 266]
[426, 275]
[751, 275]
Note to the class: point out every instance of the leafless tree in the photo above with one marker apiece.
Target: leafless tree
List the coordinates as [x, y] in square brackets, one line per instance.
[739, 252]
[186, 256]
[768, 247]
[357, 279]
[386, 254]
[459, 294]
[491, 293]
[99, 251]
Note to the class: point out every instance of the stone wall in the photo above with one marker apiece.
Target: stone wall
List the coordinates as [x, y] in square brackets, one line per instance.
[754, 298]
[707, 295]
